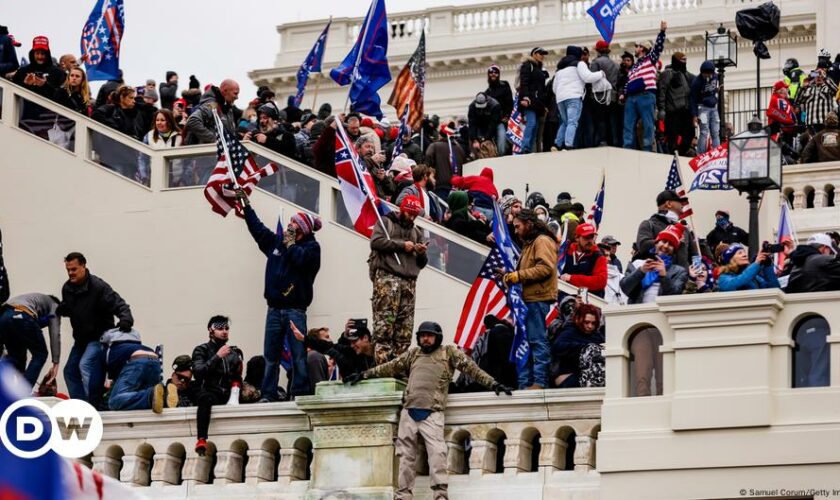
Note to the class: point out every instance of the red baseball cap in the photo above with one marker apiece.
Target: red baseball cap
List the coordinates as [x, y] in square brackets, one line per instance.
[585, 229]
[602, 45]
[12, 38]
[41, 43]
[780, 85]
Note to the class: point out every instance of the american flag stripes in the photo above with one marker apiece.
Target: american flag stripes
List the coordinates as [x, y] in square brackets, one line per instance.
[101, 40]
[486, 296]
[597, 212]
[675, 183]
[516, 127]
[219, 190]
[411, 84]
[404, 130]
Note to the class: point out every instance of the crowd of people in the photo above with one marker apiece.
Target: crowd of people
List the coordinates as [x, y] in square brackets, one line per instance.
[586, 103]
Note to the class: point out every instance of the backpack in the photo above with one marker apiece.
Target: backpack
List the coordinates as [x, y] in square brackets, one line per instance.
[592, 373]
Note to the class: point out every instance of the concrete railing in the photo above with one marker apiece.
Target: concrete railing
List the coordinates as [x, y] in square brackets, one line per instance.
[811, 190]
[538, 443]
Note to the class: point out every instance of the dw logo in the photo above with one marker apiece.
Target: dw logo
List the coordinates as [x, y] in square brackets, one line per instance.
[29, 428]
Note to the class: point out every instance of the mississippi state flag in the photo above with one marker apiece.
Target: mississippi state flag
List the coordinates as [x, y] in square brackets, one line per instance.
[356, 185]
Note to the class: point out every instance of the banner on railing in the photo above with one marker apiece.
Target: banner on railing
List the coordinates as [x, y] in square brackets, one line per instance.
[710, 170]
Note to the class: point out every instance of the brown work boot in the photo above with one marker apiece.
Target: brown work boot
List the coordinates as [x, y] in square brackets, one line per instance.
[171, 396]
[157, 398]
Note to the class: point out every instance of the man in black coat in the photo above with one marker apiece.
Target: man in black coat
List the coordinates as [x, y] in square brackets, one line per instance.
[726, 232]
[483, 117]
[40, 75]
[670, 206]
[499, 90]
[531, 96]
[353, 353]
[815, 266]
[91, 304]
[217, 368]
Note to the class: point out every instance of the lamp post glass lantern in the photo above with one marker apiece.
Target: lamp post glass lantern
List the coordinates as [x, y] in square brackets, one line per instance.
[722, 50]
[754, 165]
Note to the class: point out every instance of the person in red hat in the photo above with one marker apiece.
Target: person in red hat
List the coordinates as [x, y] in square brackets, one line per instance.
[8, 55]
[608, 115]
[585, 265]
[781, 117]
[40, 75]
[397, 255]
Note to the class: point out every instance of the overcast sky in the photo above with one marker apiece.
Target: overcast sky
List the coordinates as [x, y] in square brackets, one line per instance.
[212, 39]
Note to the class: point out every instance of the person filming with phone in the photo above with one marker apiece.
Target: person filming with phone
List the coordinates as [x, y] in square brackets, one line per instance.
[737, 273]
[657, 274]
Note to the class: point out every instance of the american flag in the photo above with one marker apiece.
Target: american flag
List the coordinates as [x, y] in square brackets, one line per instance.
[516, 127]
[675, 183]
[597, 212]
[404, 130]
[486, 296]
[785, 233]
[220, 188]
[411, 84]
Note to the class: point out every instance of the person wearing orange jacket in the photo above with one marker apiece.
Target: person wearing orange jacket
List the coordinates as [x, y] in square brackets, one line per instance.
[781, 117]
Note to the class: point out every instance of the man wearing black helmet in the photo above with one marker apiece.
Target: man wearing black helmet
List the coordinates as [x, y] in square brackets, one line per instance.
[429, 368]
[794, 76]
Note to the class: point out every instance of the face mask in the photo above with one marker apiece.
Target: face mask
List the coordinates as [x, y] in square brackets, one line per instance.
[253, 119]
[542, 217]
[672, 216]
[722, 221]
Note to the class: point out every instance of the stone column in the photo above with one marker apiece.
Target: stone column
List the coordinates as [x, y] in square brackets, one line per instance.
[553, 453]
[455, 458]
[260, 466]
[517, 455]
[820, 199]
[584, 454]
[135, 470]
[107, 466]
[292, 465]
[483, 457]
[197, 469]
[799, 199]
[228, 467]
[353, 432]
[166, 469]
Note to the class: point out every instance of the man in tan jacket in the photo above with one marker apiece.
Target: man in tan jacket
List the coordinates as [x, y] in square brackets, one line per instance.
[537, 272]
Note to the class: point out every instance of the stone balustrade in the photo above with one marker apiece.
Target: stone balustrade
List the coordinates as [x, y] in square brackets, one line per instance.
[341, 440]
[811, 191]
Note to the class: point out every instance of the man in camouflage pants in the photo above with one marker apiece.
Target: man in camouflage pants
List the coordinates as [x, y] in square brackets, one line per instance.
[429, 368]
[396, 258]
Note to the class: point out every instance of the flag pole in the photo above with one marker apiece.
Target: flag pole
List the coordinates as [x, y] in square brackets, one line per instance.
[220, 129]
[359, 54]
[690, 217]
[317, 86]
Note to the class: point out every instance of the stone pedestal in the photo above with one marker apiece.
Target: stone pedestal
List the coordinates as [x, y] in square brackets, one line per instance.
[353, 429]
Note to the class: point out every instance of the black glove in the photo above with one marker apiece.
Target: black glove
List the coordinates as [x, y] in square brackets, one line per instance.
[500, 388]
[353, 378]
[124, 325]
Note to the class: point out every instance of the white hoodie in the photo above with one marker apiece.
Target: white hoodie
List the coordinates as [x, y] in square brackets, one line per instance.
[569, 82]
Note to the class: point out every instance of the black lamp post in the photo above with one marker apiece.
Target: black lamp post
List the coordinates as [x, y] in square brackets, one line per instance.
[754, 166]
[722, 49]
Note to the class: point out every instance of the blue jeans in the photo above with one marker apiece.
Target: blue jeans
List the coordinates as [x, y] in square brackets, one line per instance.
[21, 333]
[709, 120]
[501, 139]
[133, 388]
[532, 127]
[639, 107]
[85, 372]
[569, 110]
[536, 368]
[276, 330]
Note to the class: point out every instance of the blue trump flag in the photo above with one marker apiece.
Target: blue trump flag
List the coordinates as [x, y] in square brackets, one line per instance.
[365, 68]
[520, 350]
[101, 40]
[605, 12]
[312, 63]
[26, 478]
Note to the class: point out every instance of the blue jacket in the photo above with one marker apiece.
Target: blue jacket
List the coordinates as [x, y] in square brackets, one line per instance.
[567, 347]
[8, 56]
[289, 272]
[703, 92]
[754, 277]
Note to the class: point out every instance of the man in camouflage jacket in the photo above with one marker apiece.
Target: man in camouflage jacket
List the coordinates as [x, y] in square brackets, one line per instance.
[429, 368]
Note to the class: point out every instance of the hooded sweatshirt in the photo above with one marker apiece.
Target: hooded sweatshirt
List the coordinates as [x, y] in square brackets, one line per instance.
[704, 89]
[55, 76]
[481, 187]
[573, 75]
[675, 87]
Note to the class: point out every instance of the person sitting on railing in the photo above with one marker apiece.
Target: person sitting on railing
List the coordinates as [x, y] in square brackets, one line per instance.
[375, 164]
[201, 125]
[481, 189]
[459, 219]
[736, 272]
[570, 345]
[124, 115]
[656, 275]
[217, 367]
[40, 75]
[9, 62]
[825, 145]
[429, 368]
[816, 267]
[353, 353]
[274, 133]
[75, 92]
[181, 382]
